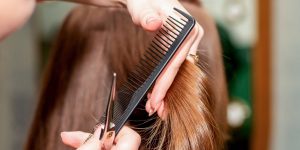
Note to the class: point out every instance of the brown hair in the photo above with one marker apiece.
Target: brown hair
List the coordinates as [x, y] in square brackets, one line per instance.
[190, 124]
[91, 45]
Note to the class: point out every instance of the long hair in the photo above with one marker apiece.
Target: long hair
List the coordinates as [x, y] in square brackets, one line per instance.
[93, 43]
[190, 124]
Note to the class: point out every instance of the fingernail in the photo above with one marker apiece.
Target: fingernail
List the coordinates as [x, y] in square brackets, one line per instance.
[64, 134]
[152, 19]
[149, 96]
[151, 112]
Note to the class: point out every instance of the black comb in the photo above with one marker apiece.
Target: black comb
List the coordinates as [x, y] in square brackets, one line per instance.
[162, 49]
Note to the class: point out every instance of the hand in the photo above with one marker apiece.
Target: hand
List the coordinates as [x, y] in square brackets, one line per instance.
[147, 13]
[127, 139]
[13, 14]
[150, 15]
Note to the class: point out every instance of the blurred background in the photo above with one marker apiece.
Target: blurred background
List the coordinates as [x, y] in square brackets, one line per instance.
[260, 40]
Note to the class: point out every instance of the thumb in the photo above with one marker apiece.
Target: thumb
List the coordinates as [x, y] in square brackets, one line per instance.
[78, 139]
[150, 20]
[74, 139]
[145, 14]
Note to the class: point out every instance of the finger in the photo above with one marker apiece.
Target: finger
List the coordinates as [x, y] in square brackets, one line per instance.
[145, 15]
[168, 75]
[150, 20]
[161, 86]
[164, 114]
[98, 131]
[148, 108]
[127, 139]
[148, 95]
[77, 139]
[94, 143]
[74, 139]
[151, 13]
[195, 45]
[160, 110]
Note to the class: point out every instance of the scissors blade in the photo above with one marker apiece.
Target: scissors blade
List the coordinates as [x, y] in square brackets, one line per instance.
[108, 115]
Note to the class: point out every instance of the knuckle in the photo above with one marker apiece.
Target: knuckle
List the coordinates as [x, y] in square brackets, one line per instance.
[200, 30]
[135, 20]
[137, 138]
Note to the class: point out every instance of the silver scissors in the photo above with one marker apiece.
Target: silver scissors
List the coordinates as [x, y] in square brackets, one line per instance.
[108, 133]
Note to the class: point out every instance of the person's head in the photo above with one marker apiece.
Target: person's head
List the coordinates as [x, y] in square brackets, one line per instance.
[92, 43]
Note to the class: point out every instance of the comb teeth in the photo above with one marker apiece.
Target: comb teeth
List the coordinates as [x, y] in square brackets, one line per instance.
[164, 45]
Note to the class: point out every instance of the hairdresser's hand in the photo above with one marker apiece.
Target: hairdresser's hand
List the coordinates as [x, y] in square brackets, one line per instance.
[13, 14]
[150, 15]
[127, 139]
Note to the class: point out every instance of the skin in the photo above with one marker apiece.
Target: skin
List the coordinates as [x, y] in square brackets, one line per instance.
[127, 139]
[149, 14]
[151, 17]
[13, 14]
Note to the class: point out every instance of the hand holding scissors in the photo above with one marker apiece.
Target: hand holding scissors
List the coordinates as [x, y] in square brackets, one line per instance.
[127, 139]
[104, 136]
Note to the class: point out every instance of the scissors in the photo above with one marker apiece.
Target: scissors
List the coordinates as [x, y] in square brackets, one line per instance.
[108, 132]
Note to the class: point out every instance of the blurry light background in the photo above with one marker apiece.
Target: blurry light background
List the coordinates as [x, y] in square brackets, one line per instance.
[23, 55]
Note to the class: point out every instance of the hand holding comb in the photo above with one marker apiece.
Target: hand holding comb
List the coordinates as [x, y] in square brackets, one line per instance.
[162, 49]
